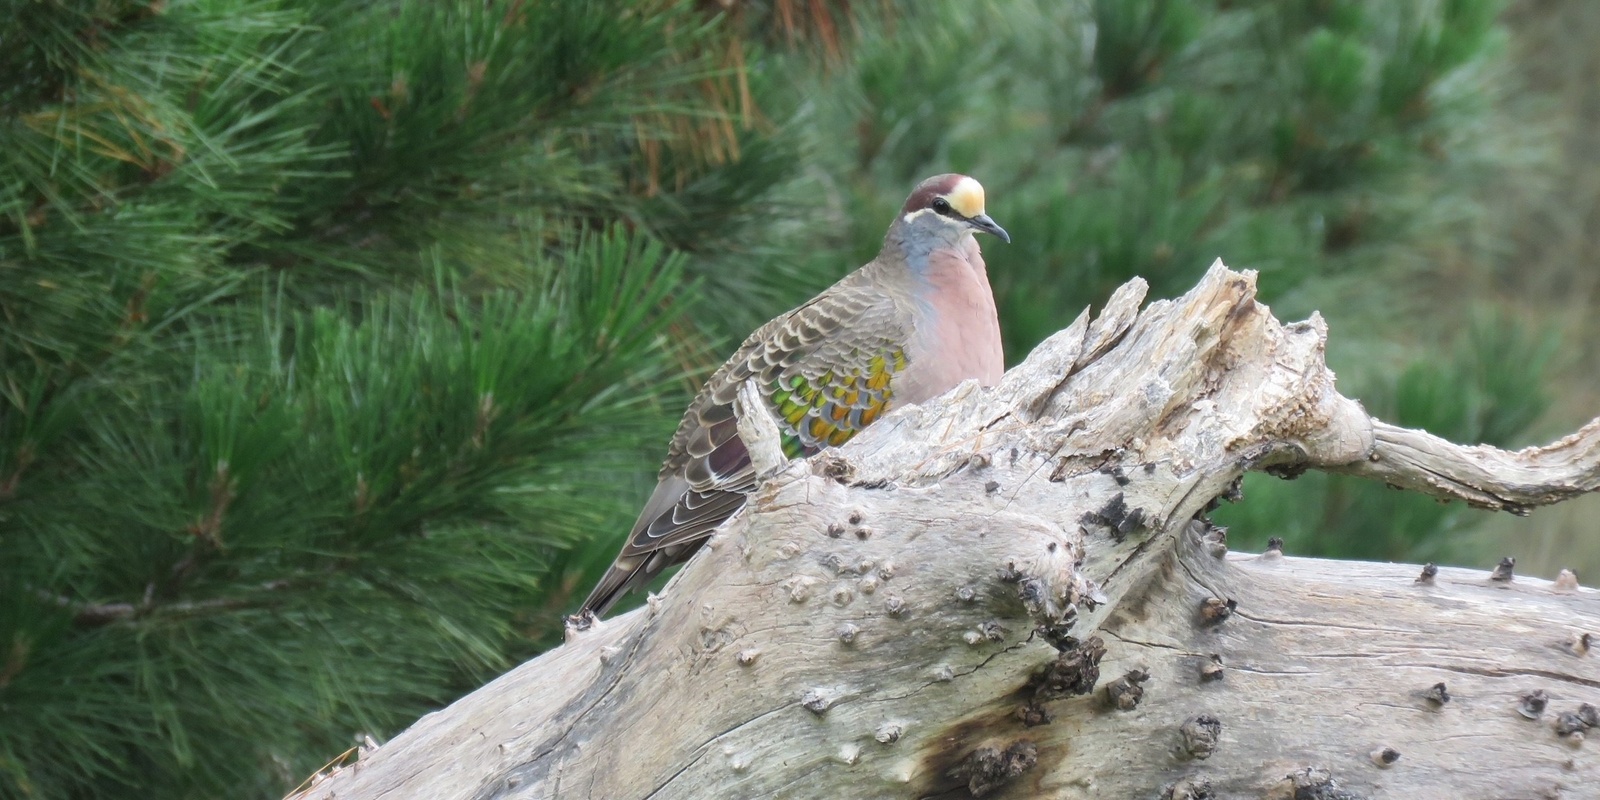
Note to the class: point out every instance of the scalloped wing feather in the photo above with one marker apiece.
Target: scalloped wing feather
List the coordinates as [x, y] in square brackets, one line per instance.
[827, 370]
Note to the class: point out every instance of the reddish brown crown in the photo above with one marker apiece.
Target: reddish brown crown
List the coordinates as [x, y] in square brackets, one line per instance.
[931, 189]
[963, 196]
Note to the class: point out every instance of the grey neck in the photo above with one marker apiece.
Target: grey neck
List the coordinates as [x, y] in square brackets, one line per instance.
[911, 241]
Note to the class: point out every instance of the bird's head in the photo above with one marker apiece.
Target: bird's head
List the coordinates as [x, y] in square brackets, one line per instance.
[948, 206]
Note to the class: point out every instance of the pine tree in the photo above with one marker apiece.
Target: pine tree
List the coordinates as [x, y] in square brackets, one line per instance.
[340, 338]
[327, 326]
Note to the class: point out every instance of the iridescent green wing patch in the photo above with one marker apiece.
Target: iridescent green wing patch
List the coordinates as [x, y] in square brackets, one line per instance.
[825, 411]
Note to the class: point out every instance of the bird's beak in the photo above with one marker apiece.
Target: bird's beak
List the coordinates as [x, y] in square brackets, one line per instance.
[983, 223]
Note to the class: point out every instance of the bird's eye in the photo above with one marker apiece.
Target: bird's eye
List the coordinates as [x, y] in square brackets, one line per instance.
[941, 205]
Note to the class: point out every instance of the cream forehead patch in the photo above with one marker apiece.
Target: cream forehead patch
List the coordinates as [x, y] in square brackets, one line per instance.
[967, 197]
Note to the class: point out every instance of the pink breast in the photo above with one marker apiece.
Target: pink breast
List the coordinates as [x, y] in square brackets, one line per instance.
[961, 338]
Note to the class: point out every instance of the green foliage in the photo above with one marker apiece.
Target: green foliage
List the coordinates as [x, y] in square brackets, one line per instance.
[329, 327]
[1134, 41]
[1147, 137]
[323, 495]
[1490, 391]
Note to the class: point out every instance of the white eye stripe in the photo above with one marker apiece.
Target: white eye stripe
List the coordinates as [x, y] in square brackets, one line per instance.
[928, 212]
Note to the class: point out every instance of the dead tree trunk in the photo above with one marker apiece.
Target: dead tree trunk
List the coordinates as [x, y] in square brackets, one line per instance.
[1014, 593]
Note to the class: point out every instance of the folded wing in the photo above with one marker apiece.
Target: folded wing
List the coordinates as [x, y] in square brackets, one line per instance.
[827, 371]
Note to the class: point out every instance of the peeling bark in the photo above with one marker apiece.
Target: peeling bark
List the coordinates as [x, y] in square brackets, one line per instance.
[1014, 593]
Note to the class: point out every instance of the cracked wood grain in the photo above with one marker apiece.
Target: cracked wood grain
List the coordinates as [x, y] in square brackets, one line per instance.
[910, 616]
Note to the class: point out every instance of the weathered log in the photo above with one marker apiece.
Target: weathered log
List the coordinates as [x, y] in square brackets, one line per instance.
[1015, 593]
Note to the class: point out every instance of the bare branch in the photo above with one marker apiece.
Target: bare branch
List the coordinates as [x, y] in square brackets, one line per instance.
[929, 611]
[91, 615]
[1484, 476]
[758, 430]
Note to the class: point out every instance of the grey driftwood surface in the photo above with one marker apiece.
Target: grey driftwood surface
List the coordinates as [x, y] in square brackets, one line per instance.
[950, 606]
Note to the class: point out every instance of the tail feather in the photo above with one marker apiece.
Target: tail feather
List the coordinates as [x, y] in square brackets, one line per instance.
[675, 522]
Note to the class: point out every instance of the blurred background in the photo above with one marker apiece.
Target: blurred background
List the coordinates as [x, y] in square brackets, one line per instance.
[342, 340]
